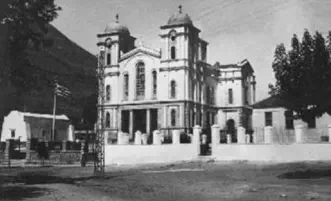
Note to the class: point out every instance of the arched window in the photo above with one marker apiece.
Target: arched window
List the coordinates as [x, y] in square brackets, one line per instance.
[126, 86]
[108, 92]
[140, 81]
[173, 89]
[154, 77]
[173, 117]
[107, 120]
[173, 52]
[108, 59]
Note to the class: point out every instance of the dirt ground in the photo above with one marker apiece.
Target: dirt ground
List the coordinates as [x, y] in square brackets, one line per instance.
[182, 181]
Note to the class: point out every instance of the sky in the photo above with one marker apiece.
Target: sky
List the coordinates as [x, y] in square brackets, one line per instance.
[235, 29]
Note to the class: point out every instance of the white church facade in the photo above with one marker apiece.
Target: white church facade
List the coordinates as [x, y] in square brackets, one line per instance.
[174, 87]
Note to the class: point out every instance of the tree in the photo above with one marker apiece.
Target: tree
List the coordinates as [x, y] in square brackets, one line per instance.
[303, 75]
[27, 22]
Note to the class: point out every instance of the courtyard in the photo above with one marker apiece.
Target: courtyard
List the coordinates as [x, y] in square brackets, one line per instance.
[207, 180]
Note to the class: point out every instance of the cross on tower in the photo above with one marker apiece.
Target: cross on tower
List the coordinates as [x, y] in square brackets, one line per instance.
[180, 8]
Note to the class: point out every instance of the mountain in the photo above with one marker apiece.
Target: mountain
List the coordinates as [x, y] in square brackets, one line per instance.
[74, 68]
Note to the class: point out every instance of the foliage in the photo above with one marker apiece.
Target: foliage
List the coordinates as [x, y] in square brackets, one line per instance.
[303, 75]
[27, 21]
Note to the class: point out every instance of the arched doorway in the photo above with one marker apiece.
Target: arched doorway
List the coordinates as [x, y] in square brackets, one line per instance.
[231, 129]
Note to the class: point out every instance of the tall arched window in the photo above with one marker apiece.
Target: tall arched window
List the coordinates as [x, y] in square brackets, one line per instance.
[173, 117]
[173, 52]
[108, 59]
[108, 92]
[140, 81]
[173, 89]
[107, 120]
[126, 86]
[154, 81]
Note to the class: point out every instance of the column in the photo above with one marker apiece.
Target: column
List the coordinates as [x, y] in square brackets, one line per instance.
[119, 122]
[148, 123]
[131, 124]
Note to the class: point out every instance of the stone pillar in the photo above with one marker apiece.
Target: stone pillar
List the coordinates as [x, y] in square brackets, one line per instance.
[137, 138]
[71, 133]
[215, 135]
[131, 124]
[241, 135]
[196, 137]
[7, 152]
[299, 133]
[228, 139]
[329, 129]
[157, 137]
[175, 137]
[248, 139]
[148, 119]
[268, 135]
[28, 150]
[120, 140]
[144, 138]
[64, 145]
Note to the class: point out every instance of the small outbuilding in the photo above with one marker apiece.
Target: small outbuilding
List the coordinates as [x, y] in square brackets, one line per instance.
[23, 125]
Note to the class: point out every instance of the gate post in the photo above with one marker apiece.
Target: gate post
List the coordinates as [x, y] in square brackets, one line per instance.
[241, 135]
[196, 138]
[7, 152]
[215, 136]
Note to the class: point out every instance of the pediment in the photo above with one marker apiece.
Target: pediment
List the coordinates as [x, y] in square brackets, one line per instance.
[141, 50]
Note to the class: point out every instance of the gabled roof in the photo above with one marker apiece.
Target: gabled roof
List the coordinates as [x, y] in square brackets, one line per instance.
[143, 49]
[271, 102]
[45, 116]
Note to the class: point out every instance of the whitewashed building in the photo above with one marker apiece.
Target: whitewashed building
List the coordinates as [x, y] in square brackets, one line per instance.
[173, 87]
[23, 126]
[272, 112]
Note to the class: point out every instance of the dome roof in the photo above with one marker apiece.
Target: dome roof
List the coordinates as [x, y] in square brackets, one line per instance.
[116, 27]
[179, 18]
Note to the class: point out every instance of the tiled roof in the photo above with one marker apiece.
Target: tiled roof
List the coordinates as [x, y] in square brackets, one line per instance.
[271, 102]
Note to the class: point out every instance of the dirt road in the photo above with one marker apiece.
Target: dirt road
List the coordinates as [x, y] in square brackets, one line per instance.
[185, 181]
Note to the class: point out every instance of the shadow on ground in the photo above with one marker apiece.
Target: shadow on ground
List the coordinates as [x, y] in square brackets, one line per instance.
[21, 192]
[307, 174]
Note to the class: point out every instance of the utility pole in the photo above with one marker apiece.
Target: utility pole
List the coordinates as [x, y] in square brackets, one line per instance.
[99, 162]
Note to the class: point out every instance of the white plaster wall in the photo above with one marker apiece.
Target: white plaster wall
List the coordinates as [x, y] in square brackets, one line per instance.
[16, 122]
[129, 66]
[273, 153]
[138, 154]
[223, 96]
[165, 78]
[278, 117]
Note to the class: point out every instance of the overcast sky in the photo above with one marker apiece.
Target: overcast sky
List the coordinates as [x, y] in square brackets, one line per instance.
[235, 29]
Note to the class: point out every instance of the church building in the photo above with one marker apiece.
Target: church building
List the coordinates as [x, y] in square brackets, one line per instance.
[174, 87]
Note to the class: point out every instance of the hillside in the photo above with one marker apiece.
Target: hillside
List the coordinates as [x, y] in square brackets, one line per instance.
[74, 67]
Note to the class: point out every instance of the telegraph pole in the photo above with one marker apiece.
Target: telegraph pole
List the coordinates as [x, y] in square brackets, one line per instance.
[99, 162]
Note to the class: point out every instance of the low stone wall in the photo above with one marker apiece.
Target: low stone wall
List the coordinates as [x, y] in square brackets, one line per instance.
[66, 157]
[272, 153]
[139, 154]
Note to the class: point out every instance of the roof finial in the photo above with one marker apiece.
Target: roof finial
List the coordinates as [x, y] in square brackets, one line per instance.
[180, 8]
[117, 17]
